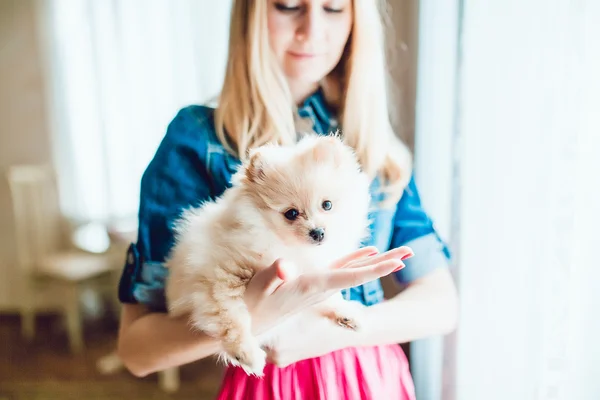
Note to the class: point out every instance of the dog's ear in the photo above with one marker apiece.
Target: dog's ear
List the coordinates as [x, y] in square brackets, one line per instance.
[255, 169]
[327, 149]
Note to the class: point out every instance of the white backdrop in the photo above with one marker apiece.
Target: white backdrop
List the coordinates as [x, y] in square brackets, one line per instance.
[518, 154]
[530, 200]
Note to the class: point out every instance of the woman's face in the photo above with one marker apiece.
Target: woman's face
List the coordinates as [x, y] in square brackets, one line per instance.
[308, 38]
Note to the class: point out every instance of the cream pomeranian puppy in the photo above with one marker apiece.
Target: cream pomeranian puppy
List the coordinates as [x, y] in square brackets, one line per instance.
[306, 204]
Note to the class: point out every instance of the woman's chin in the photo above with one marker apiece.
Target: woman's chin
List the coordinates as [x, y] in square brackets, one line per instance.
[307, 75]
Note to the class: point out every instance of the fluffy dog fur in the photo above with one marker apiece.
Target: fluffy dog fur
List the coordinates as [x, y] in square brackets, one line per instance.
[222, 244]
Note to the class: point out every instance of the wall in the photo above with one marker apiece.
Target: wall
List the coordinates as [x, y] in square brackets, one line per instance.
[403, 19]
[24, 125]
[403, 63]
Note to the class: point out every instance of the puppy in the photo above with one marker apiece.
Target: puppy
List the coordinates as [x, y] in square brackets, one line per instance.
[306, 204]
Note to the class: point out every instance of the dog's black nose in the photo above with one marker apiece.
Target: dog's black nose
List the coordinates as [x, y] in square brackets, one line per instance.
[317, 234]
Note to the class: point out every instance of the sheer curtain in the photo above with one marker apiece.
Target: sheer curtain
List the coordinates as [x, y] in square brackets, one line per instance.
[530, 201]
[522, 154]
[119, 72]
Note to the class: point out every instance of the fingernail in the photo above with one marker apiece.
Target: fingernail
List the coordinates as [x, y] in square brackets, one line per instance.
[409, 255]
[402, 265]
[372, 254]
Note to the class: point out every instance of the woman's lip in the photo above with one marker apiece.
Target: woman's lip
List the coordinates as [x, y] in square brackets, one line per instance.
[303, 55]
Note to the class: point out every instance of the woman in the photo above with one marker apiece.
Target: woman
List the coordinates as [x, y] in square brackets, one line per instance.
[294, 65]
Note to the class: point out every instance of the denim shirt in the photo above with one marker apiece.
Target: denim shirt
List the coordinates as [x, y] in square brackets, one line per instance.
[191, 166]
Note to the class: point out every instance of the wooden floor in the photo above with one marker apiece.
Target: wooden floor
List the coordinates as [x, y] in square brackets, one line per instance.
[44, 369]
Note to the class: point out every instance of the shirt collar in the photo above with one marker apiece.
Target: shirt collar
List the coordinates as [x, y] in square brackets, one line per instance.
[315, 107]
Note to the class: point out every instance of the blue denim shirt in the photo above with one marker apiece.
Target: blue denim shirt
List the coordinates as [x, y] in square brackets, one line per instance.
[191, 166]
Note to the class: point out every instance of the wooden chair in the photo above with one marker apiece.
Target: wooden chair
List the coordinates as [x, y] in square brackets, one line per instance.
[51, 275]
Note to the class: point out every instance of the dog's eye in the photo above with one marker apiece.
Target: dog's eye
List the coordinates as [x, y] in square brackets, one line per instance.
[326, 205]
[291, 214]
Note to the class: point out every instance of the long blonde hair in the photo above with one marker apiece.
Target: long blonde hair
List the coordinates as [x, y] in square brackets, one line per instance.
[256, 107]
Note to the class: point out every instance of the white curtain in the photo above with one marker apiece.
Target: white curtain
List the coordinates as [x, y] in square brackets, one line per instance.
[530, 201]
[434, 162]
[119, 72]
[525, 156]
[514, 181]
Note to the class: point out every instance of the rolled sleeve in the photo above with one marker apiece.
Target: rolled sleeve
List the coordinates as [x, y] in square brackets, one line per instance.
[430, 253]
[143, 282]
[413, 227]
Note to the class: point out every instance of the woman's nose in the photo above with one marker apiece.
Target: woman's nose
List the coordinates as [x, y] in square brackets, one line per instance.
[311, 25]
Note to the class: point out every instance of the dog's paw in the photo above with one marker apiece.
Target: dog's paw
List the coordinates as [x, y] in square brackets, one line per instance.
[347, 315]
[347, 322]
[248, 355]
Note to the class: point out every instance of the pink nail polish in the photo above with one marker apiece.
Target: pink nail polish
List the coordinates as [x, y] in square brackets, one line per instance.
[409, 255]
[399, 267]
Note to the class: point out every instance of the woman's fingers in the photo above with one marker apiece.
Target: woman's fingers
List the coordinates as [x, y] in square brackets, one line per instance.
[356, 255]
[400, 253]
[361, 266]
[269, 279]
[350, 277]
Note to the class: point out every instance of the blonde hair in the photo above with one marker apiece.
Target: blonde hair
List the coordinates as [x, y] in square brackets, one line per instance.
[255, 105]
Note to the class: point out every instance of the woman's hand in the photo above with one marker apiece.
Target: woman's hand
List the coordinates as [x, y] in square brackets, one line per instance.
[274, 294]
[314, 341]
[325, 337]
[426, 307]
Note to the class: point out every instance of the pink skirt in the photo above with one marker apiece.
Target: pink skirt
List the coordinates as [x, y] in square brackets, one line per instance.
[379, 372]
